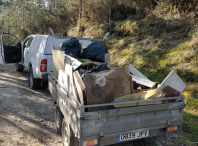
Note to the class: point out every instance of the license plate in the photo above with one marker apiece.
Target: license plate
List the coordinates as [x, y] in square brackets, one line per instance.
[134, 135]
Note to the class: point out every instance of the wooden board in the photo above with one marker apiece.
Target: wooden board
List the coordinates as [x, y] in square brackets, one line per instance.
[142, 81]
[170, 92]
[79, 79]
[78, 88]
[71, 89]
[150, 94]
[135, 72]
[58, 60]
[105, 86]
[174, 81]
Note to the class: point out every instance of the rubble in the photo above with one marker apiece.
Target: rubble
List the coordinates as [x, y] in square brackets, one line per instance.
[92, 82]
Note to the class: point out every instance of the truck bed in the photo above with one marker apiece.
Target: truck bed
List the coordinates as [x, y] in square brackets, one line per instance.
[109, 126]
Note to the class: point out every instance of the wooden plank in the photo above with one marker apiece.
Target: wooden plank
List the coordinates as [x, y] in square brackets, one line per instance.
[150, 94]
[140, 90]
[58, 60]
[63, 80]
[170, 92]
[142, 81]
[80, 93]
[79, 79]
[69, 72]
[72, 61]
[174, 81]
[155, 85]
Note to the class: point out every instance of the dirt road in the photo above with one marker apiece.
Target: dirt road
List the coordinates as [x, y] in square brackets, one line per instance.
[26, 116]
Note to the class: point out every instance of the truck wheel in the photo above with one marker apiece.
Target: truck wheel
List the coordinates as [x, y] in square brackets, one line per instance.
[58, 119]
[33, 83]
[19, 67]
[68, 137]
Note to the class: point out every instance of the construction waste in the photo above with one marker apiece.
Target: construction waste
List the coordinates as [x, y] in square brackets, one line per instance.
[92, 82]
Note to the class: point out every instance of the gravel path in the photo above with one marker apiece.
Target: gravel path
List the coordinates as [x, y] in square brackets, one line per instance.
[26, 116]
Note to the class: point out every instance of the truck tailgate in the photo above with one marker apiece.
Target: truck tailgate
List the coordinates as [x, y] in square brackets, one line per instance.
[49, 63]
[121, 120]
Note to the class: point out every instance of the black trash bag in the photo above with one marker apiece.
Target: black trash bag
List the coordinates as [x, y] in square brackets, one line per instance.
[96, 69]
[71, 46]
[95, 52]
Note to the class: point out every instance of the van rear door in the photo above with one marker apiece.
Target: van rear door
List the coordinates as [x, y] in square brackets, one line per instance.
[11, 51]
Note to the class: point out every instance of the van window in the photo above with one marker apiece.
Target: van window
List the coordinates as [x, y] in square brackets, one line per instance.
[30, 41]
[26, 42]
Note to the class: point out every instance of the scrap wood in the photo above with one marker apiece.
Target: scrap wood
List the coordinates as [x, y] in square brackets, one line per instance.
[174, 81]
[75, 63]
[79, 79]
[71, 89]
[140, 90]
[142, 81]
[170, 92]
[135, 72]
[150, 94]
[105, 86]
[79, 91]
[58, 60]
[76, 91]
[155, 85]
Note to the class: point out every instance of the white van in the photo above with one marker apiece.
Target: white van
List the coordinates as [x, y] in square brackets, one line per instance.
[34, 54]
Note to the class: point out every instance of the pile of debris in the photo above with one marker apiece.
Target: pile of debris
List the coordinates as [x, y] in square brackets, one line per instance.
[93, 82]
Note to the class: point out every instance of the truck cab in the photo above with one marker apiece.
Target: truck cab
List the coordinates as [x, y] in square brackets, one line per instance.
[34, 54]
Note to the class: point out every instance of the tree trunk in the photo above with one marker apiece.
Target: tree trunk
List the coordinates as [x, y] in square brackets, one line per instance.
[110, 7]
[80, 14]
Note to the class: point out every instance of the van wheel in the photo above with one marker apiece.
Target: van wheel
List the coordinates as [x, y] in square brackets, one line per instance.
[58, 119]
[19, 67]
[68, 137]
[33, 83]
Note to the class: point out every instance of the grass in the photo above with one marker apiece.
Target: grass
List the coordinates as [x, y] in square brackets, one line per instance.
[156, 46]
[155, 56]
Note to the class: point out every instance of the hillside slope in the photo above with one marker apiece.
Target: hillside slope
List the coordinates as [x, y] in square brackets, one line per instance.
[156, 46]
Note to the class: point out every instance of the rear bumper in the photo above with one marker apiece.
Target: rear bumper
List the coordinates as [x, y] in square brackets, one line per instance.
[45, 77]
[111, 138]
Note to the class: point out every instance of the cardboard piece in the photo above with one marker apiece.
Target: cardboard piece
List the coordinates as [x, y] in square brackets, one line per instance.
[105, 86]
[174, 81]
[150, 94]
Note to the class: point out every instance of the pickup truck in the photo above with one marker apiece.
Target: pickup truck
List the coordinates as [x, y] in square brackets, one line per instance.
[34, 54]
[81, 127]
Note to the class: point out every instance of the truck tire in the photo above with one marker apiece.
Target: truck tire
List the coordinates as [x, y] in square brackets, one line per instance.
[58, 119]
[68, 136]
[19, 67]
[33, 83]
